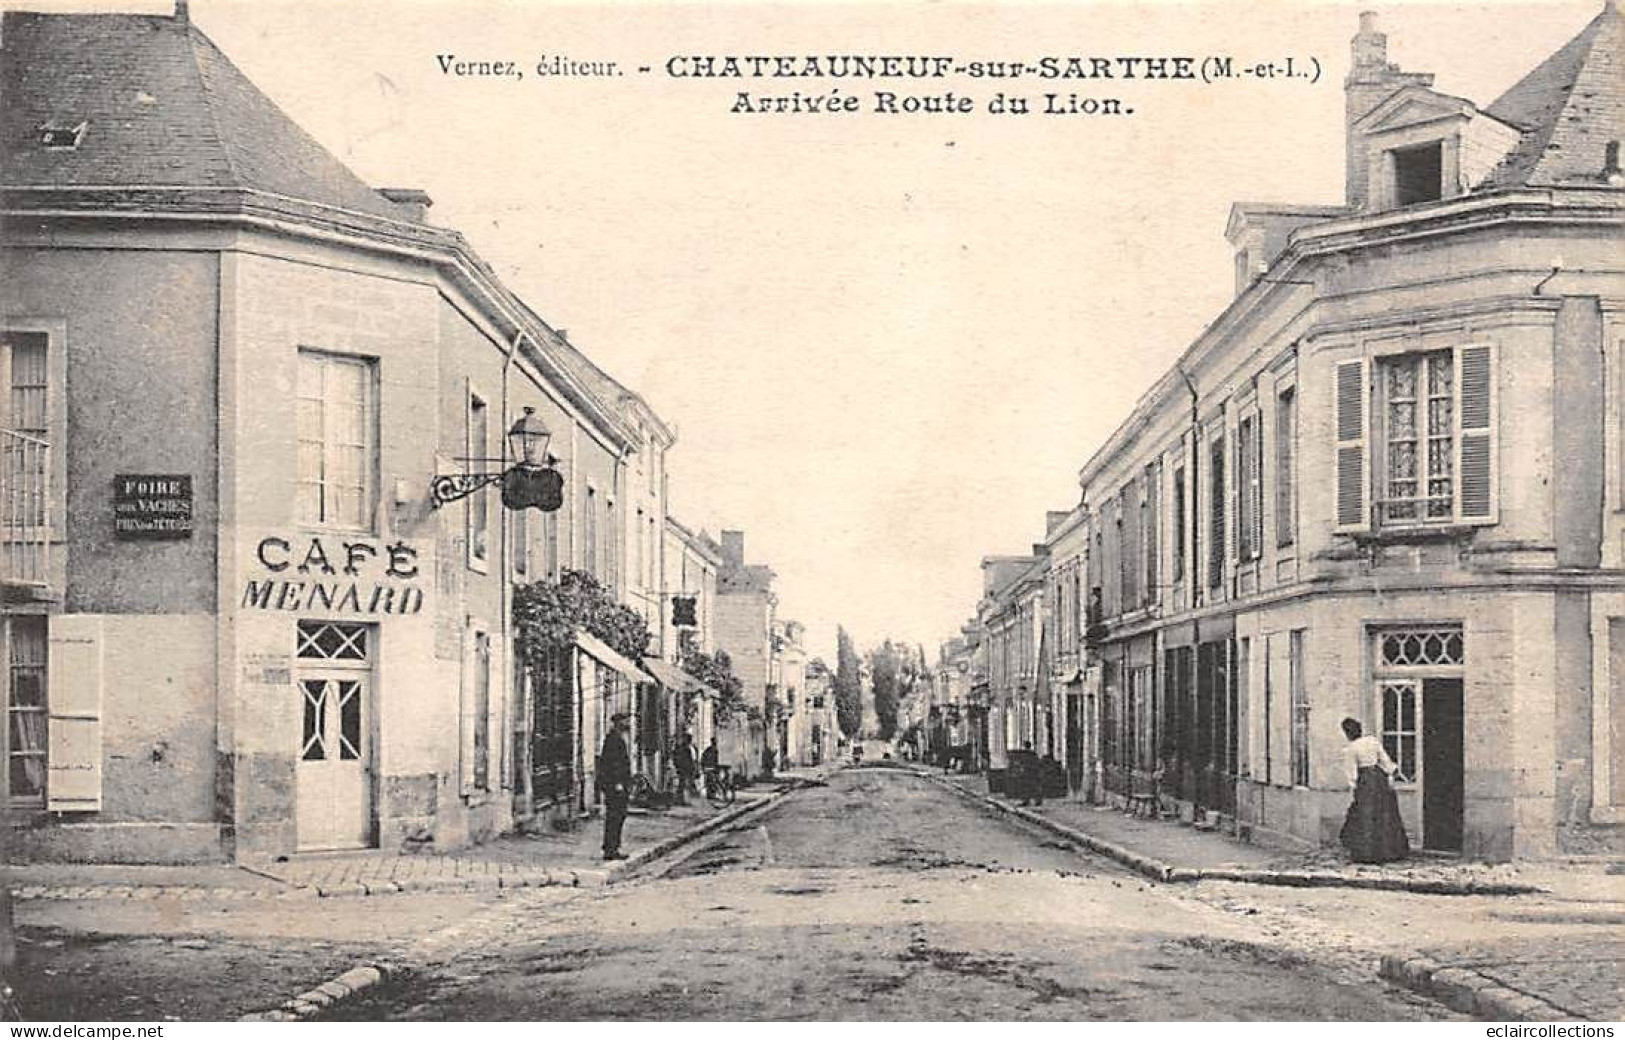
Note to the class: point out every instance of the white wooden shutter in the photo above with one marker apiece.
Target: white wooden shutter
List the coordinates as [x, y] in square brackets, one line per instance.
[1352, 464]
[1477, 501]
[74, 699]
[465, 713]
[499, 695]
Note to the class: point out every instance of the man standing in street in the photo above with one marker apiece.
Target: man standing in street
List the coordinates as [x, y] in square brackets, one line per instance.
[614, 777]
[683, 759]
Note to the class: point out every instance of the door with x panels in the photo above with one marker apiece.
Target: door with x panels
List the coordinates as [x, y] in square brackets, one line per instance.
[334, 789]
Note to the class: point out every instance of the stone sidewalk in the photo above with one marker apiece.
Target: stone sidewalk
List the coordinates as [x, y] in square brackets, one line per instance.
[1524, 942]
[1167, 850]
[547, 857]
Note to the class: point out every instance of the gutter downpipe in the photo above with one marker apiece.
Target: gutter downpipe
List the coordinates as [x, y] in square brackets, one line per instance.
[1193, 572]
[505, 608]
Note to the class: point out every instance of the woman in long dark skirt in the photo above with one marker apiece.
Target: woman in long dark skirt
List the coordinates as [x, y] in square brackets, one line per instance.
[1372, 831]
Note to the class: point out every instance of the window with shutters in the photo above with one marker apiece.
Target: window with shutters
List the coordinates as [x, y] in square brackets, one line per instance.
[1418, 404]
[1216, 510]
[1286, 440]
[1428, 446]
[26, 718]
[1249, 490]
[338, 441]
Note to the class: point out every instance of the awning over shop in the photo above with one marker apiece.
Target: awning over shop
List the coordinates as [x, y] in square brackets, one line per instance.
[674, 678]
[600, 652]
[670, 676]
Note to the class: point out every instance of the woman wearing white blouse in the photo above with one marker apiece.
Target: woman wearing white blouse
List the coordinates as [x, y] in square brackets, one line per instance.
[1366, 751]
[1373, 831]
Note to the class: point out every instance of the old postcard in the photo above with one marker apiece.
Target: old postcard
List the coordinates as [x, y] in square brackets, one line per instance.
[525, 511]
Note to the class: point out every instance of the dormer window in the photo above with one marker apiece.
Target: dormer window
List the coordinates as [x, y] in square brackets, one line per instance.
[61, 136]
[1418, 174]
[1422, 146]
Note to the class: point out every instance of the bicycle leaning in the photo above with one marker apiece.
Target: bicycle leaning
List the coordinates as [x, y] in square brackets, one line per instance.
[720, 790]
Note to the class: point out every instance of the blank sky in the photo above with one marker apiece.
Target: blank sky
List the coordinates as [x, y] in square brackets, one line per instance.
[888, 343]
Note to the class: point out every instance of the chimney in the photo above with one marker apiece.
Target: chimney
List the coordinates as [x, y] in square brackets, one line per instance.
[182, 14]
[1372, 79]
[733, 548]
[415, 201]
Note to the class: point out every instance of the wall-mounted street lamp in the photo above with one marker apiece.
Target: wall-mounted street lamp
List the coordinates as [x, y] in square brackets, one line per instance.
[532, 482]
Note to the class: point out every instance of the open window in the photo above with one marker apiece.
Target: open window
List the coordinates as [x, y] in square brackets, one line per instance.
[1418, 174]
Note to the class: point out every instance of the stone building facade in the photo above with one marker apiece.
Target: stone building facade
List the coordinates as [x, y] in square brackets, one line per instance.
[236, 625]
[1386, 483]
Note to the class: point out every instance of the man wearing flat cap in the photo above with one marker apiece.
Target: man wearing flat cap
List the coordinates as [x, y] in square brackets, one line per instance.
[614, 777]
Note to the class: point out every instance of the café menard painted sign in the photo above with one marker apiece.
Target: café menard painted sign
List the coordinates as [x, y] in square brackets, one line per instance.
[338, 576]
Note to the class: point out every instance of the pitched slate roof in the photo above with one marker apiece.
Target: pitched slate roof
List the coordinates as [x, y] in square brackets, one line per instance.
[1569, 107]
[164, 107]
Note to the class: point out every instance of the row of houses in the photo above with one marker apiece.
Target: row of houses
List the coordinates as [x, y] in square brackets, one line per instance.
[1386, 482]
[257, 555]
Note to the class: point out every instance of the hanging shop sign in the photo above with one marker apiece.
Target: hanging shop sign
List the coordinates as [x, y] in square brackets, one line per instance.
[354, 576]
[152, 505]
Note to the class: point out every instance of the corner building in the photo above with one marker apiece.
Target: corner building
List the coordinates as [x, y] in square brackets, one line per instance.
[234, 624]
[1388, 482]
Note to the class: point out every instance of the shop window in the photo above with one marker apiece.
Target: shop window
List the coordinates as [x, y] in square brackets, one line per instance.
[26, 710]
[338, 441]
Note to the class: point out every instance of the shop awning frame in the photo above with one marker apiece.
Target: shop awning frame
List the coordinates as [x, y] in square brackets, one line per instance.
[601, 652]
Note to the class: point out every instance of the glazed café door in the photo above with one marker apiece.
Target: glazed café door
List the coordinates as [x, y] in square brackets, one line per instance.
[333, 789]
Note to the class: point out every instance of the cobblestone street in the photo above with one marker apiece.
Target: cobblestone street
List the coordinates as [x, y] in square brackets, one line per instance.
[883, 896]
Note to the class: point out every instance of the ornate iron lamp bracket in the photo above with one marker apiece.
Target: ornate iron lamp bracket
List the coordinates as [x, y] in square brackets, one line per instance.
[446, 488]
